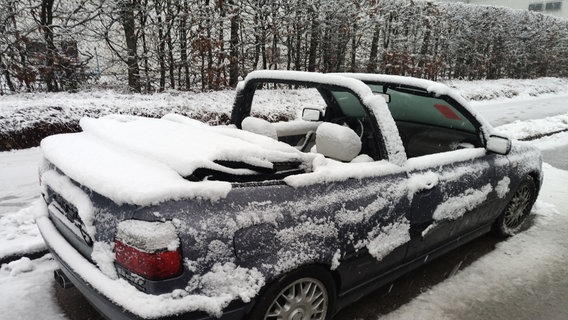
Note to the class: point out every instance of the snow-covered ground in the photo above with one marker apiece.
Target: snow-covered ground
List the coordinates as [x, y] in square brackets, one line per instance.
[519, 264]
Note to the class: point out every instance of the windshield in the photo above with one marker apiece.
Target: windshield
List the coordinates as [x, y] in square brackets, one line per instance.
[349, 104]
[418, 107]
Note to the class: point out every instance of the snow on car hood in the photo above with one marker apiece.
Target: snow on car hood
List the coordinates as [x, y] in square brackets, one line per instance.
[144, 161]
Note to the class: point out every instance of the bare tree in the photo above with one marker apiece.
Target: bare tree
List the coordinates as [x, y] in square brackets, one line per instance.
[126, 9]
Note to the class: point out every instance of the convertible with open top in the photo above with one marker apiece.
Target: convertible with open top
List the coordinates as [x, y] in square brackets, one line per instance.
[271, 218]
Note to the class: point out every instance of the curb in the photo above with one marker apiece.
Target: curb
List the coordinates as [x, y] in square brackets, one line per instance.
[542, 135]
[31, 255]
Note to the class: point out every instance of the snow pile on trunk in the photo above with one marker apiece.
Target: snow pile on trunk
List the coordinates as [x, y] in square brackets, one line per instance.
[143, 161]
[185, 148]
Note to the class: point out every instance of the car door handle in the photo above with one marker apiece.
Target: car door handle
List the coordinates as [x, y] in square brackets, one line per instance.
[423, 182]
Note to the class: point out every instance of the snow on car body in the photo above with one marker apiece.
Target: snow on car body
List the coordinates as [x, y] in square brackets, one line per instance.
[162, 217]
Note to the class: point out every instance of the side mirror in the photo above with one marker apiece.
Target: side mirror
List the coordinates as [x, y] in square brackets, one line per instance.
[311, 114]
[385, 96]
[498, 144]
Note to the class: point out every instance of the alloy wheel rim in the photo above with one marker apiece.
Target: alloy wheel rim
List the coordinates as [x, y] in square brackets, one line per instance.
[304, 299]
[516, 211]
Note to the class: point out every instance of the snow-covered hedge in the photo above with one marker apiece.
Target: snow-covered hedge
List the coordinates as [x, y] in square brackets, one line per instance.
[221, 42]
[27, 118]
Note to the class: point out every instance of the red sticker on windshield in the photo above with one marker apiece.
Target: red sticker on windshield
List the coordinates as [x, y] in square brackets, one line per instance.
[447, 112]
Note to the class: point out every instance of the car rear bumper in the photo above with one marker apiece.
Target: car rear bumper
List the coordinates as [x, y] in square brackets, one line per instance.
[70, 260]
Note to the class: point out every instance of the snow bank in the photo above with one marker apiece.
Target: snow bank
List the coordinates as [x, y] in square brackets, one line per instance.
[508, 88]
[19, 266]
[19, 234]
[535, 127]
[18, 179]
[30, 295]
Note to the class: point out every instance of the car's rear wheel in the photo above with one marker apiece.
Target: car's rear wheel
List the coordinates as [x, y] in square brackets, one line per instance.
[305, 294]
[517, 211]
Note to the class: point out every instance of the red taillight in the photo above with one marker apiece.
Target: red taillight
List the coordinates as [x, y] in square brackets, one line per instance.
[153, 266]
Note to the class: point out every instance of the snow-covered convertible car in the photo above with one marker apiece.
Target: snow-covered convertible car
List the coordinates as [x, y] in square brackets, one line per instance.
[172, 218]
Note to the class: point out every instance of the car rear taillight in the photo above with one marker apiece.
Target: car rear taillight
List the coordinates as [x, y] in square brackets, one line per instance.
[149, 249]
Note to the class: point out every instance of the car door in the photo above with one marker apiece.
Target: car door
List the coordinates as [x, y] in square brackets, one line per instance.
[449, 196]
[451, 175]
[375, 227]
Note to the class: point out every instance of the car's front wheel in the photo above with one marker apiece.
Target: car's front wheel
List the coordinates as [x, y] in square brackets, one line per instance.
[517, 210]
[304, 294]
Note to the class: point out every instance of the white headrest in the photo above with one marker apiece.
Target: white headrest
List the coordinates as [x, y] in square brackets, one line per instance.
[337, 142]
[259, 126]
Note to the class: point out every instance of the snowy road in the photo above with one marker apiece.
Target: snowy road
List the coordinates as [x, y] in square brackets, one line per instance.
[522, 278]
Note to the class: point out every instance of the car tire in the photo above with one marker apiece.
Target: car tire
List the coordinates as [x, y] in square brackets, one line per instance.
[306, 293]
[517, 211]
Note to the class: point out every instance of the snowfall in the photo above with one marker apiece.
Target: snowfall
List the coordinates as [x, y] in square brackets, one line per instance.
[535, 257]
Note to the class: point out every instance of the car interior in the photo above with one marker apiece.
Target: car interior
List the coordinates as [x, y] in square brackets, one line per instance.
[426, 124]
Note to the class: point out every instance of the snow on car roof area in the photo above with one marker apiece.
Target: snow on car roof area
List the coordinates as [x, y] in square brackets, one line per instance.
[299, 76]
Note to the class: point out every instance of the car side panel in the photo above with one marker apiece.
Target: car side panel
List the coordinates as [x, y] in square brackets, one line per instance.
[464, 192]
